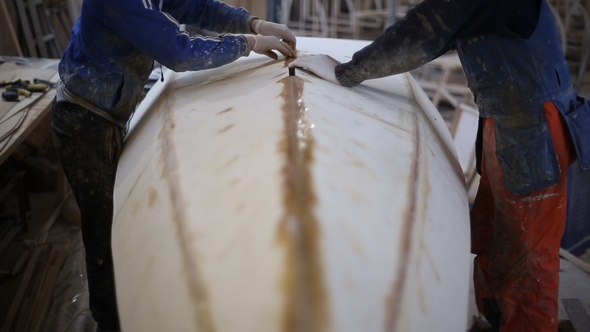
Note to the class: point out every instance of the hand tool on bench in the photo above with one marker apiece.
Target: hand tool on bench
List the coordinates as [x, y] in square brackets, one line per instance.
[21, 87]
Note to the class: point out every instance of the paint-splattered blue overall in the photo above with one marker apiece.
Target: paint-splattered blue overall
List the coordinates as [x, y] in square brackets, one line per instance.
[103, 71]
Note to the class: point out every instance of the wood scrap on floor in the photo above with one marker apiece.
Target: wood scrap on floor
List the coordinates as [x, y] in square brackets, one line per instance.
[31, 302]
[577, 314]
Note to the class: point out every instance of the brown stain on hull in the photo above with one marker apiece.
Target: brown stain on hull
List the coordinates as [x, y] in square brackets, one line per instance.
[395, 298]
[225, 110]
[224, 129]
[203, 316]
[152, 197]
[306, 307]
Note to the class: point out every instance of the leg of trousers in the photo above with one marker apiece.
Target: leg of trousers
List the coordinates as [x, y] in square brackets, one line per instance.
[89, 147]
[516, 239]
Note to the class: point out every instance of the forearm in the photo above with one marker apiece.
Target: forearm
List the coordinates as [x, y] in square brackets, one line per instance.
[211, 15]
[159, 35]
[425, 33]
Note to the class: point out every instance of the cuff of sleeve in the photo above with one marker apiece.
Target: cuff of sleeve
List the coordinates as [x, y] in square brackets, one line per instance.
[250, 25]
[258, 25]
[347, 78]
[248, 50]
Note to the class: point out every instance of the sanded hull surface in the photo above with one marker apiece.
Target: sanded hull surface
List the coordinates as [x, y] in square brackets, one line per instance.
[251, 200]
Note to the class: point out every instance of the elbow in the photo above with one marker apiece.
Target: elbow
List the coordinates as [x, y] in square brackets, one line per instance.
[182, 64]
[175, 63]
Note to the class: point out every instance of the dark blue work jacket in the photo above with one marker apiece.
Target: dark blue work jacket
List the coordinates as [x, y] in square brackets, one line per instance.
[511, 79]
[114, 44]
[512, 57]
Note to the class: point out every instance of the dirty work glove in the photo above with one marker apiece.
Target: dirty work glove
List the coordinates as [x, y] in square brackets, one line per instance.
[320, 64]
[265, 45]
[280, 31]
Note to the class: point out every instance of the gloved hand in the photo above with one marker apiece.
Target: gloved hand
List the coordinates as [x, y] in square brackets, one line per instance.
[265, 45]
[320, 64]
[280, 31]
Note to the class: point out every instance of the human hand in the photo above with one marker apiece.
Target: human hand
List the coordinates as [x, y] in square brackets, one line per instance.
[320, 64]
[266, 44]
[280, 31]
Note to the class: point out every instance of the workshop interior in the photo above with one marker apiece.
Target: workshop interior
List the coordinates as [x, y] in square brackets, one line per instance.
[42, 270]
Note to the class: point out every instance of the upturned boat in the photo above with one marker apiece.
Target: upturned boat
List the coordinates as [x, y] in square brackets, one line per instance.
[248, 199]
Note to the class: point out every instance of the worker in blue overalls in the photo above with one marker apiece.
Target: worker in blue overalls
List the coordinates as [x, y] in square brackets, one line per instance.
[533, 126]
[103, 71]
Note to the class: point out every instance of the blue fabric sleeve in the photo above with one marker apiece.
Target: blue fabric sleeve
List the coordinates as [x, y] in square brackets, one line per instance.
[427, 31]
[210, 15]
[158, 33]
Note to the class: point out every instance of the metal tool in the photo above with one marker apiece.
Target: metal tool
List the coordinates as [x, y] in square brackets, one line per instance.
[10, 95]
[23, 88]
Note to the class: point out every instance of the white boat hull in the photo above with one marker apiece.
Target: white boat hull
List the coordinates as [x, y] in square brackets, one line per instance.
[250, 200]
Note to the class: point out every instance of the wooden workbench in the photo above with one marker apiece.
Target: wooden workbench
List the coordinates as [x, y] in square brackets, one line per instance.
[19, 119]
[24, 125]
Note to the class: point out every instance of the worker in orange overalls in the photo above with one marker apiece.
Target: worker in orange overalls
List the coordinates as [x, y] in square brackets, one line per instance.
[533, 127]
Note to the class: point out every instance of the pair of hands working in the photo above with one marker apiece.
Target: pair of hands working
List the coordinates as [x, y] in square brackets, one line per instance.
[273, 36]
[321, 65]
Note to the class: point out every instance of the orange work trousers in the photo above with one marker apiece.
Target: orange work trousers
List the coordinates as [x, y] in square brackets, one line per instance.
[516, 239]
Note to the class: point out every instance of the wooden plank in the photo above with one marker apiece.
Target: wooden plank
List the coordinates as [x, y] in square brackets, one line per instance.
[22, 287]
[38, 109]
[574, 259]
[60, 18]
[28, 34]
[45, 296]
[577, 314]
[37, 28]
[32, 289]
[11, 30]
